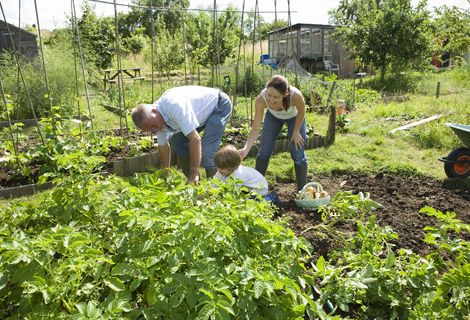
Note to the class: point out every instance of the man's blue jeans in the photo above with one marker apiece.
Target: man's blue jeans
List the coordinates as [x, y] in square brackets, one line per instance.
[213, 131]
[271, 128]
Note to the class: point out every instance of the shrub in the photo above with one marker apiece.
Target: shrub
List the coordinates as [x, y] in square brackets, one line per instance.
[61, 79]
[434, 135]
[251, 82]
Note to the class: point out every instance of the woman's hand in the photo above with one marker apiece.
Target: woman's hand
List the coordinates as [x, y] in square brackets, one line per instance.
[243, 152]
[297, 140]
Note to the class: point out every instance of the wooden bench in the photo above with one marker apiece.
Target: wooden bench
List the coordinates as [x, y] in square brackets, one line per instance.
[113, 75]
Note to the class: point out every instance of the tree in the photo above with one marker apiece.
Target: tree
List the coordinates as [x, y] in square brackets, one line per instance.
[97, 37]
[206, 49]
[170, 51]
[262, 27]
[166, 11]
[385, 33]
[452, 30]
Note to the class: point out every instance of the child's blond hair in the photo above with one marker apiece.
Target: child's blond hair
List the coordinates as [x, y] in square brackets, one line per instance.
[227, 158]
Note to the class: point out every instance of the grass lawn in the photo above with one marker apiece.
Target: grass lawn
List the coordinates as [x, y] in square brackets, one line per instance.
[369, 146]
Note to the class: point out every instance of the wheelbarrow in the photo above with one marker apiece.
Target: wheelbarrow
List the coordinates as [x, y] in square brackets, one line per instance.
[457, 163]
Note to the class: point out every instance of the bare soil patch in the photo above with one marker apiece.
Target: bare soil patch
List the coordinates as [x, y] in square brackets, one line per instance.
[401, 197]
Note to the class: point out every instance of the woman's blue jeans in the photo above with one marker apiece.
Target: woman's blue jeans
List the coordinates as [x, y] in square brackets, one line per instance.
[271, 128]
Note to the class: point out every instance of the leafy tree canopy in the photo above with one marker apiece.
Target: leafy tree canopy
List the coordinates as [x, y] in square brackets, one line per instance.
[385, 33]
[168, 11]
[97, 37]
[452, 30]
[262, 27]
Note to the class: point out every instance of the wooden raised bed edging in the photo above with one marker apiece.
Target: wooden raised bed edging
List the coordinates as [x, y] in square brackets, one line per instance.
[317, 141]
[126, 167]
[129, 166]
[26, 190]
[123, 167]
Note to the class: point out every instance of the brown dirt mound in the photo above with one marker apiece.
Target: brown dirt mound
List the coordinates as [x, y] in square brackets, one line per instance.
[401, 196]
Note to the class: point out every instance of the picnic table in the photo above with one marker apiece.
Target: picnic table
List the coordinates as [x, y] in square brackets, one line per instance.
[112, 75]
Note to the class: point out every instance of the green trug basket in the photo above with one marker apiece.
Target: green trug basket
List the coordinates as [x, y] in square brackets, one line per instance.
[312, 203]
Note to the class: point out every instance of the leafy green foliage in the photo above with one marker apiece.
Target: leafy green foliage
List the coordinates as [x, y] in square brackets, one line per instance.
[452, 30]
[434, 135]
[97, 38]
[171, 19]
[369, 279]
[151, 247]
[450, 299]
[346, 206]
[382, 34]
[61, 80]
[262, 27]
[250, 82]
[170, 52]
[66, 151]
[317, 92]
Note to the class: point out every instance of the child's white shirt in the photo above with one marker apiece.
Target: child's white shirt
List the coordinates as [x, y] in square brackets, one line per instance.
[251, 178]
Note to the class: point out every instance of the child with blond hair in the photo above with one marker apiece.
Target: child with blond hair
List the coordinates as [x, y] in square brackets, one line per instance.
[228, 163]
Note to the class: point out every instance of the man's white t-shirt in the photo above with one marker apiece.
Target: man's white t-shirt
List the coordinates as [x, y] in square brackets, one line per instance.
[251, 178]
[184, 109]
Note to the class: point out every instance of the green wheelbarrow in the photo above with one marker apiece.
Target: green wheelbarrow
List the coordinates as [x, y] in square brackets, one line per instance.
[457, 163]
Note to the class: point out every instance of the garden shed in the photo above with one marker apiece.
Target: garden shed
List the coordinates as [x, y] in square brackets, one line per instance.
[23, 40]
[313, 46]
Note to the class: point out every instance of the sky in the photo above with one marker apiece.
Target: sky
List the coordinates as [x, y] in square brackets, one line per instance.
[53, 13]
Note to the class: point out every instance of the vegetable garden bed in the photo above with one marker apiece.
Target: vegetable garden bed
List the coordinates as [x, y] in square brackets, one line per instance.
[121, 158]
[369, 264]
[113, 145]
[154, 246]
[401, 197]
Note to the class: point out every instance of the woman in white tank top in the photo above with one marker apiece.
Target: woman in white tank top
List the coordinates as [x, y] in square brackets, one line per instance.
[284, 104]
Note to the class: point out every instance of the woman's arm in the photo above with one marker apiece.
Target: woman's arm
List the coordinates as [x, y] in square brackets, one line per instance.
[299, 102]
[260, 104]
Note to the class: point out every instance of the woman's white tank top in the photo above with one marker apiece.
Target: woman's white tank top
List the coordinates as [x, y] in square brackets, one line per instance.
[282, 114]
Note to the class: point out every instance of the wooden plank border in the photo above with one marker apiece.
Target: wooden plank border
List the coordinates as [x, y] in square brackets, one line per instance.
[129, 166]
[26, 190]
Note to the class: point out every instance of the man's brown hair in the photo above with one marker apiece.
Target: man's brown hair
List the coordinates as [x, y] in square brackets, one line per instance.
[227, 158]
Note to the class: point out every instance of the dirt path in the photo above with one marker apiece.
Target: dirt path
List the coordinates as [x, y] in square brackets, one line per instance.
[401, 196]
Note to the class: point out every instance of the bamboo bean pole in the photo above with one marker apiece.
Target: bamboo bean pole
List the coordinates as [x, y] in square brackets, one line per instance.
[17, 60]
[82, 64]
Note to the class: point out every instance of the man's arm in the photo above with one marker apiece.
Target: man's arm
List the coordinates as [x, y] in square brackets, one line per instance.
[194, 156]
[164, 153]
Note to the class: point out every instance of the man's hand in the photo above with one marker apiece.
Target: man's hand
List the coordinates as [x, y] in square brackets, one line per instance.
[193, 180]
